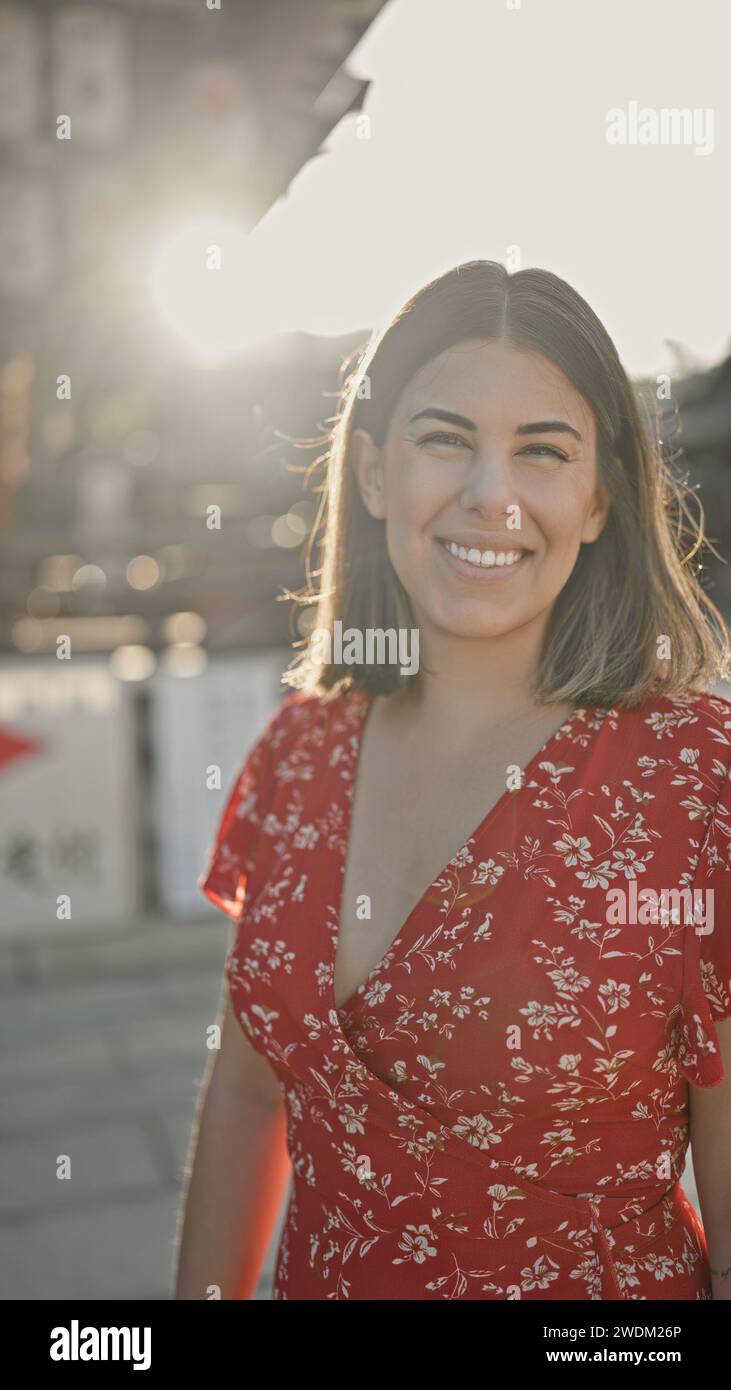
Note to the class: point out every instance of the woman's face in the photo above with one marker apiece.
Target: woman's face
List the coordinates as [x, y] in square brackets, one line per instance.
[488, 484]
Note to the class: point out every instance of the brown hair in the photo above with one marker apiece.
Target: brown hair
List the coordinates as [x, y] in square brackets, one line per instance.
[629, 587]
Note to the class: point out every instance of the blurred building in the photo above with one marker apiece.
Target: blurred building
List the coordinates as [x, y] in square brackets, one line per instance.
[701, 428]
[116, 118]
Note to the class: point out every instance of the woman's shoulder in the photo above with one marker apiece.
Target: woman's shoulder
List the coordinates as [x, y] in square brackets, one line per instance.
[305, 707]
[699, 714]
[692, 729]
[310, 717]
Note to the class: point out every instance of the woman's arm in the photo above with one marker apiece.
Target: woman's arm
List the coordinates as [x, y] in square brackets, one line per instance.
[240, 1169]
[710, 1137]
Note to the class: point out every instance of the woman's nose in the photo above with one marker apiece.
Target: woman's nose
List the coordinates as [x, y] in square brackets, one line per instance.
[489, 483]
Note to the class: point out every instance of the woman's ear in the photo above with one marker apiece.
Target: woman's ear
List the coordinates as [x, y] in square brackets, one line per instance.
[366, 460]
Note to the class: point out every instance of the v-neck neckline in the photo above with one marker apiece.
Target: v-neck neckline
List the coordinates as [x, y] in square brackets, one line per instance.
[342, 854]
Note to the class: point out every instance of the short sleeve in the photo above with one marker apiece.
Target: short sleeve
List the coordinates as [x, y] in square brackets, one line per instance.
[706, 994]
[232, 855]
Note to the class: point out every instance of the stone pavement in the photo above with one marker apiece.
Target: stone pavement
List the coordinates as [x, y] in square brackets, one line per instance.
[102, 1056]
[103, 1051]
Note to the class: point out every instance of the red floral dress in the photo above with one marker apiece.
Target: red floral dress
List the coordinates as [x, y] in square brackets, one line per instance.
[500, 1110]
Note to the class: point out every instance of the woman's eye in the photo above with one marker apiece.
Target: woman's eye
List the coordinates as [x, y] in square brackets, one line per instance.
[442, 437]
[546, 450]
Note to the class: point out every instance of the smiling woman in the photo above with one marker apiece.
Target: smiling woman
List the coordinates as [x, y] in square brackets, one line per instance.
[487, 1081]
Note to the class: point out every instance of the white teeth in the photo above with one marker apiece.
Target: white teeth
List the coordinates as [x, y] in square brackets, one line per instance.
[488, 559]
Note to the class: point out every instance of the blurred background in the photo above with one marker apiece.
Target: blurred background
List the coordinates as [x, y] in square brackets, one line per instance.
[204, 211]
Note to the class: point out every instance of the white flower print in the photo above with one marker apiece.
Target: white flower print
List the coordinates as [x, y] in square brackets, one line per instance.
[477, 1130]
[598, 877]
[616, 996]
[568, 980]
[574, 850]
[416, 1242]
[488, 872]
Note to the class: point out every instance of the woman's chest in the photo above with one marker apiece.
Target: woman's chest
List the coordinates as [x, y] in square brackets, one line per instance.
[397, 847]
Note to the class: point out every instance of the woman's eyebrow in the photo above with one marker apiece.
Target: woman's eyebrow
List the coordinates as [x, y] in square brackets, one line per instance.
[434, 413]
[548, 427]
[535, 426]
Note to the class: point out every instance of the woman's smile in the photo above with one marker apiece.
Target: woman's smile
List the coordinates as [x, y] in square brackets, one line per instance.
[482, 565]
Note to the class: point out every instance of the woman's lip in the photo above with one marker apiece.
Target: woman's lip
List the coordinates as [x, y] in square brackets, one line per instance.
[477, 572]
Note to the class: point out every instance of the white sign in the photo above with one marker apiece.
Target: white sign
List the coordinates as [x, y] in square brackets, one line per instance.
[211, 718]
[67, 799]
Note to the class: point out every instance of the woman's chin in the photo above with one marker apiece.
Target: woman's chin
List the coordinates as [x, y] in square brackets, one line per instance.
[476, 626]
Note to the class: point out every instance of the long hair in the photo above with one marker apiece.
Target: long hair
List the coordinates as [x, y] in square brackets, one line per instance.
[634, 585]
